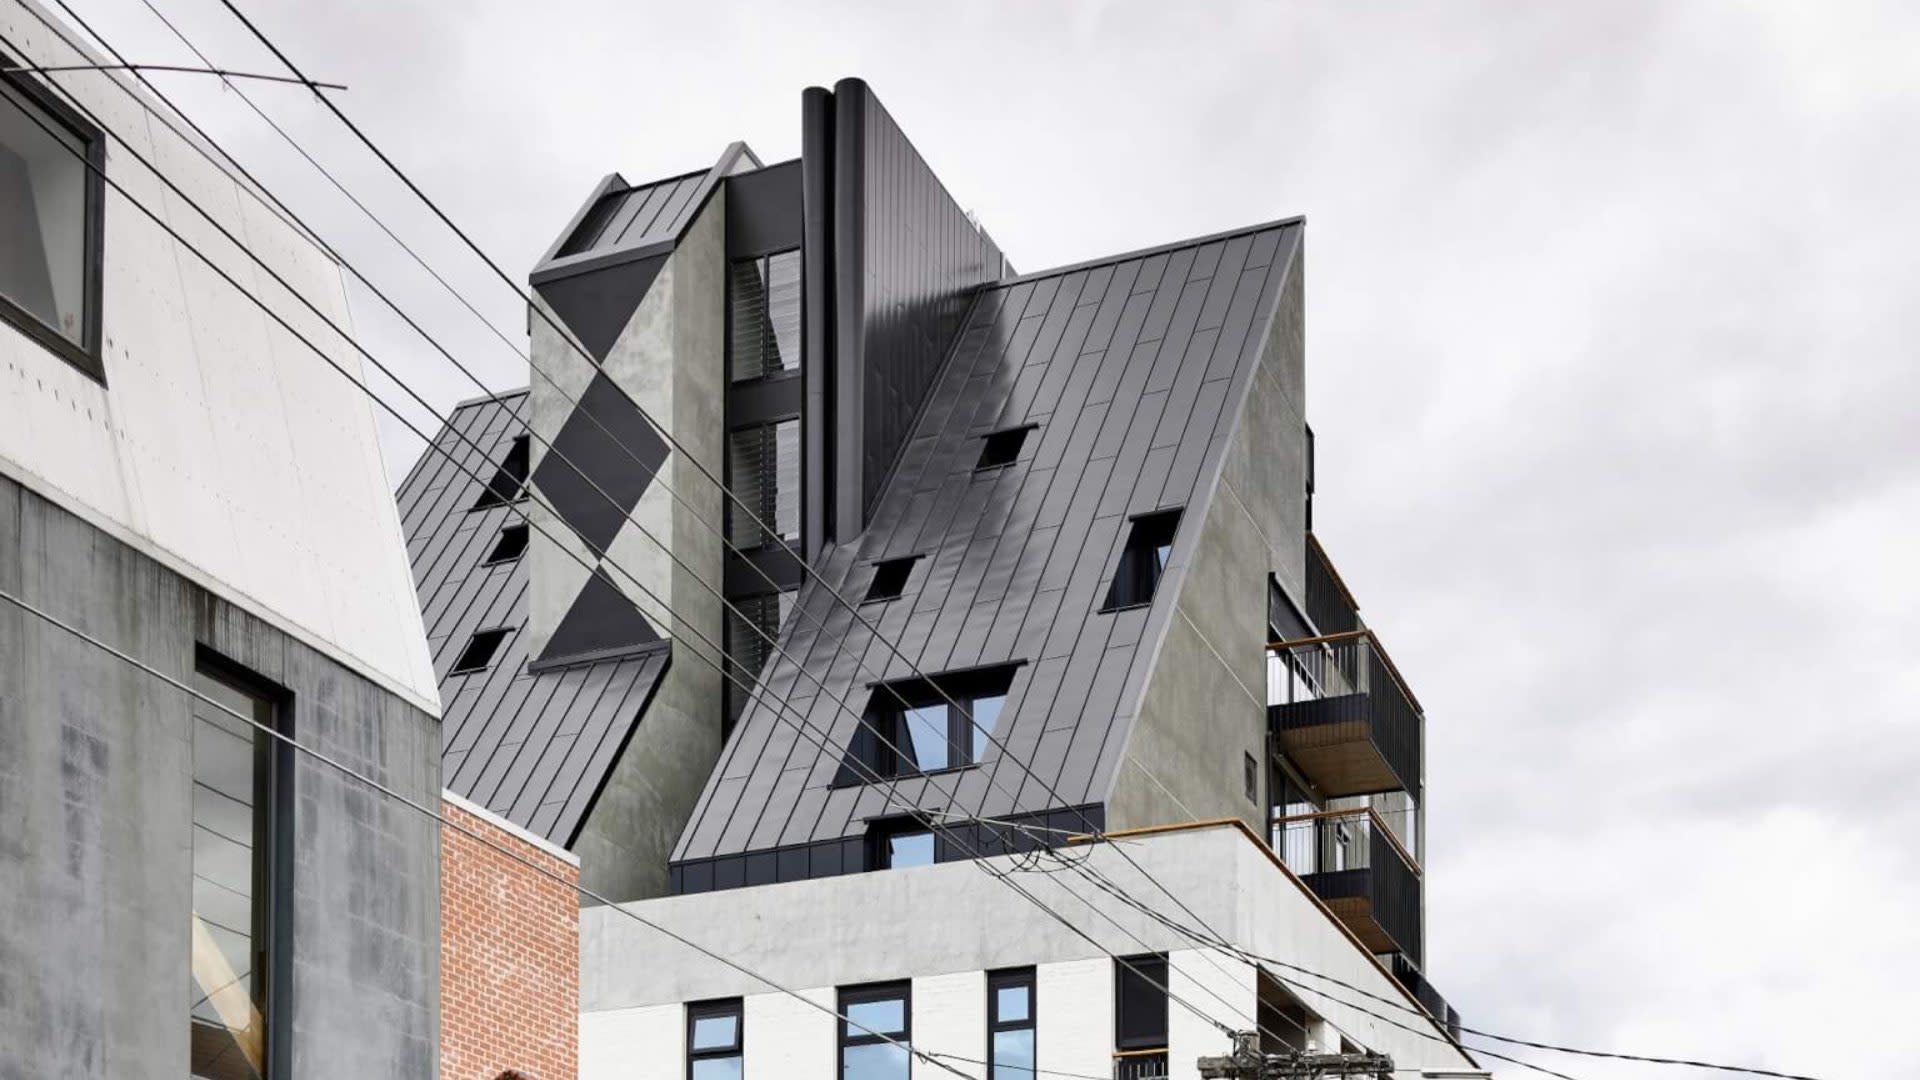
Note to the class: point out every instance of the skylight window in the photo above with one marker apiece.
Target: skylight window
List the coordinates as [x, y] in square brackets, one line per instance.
[511, 545]
[479, 653]
[890, 579]
[1143, 561]
[1002, 448]
[509, 481]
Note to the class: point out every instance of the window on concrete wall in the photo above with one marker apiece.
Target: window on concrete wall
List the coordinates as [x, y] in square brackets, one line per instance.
[1143, 560]
[764, 316]
[763, 471]
[876, 1034]
[1010, 1024]
[1140, 1002]
[716, 1040]
[50, 238]
[237, 877]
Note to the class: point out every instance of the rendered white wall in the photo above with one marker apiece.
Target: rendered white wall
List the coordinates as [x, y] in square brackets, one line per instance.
[873, 927]
[787, 1039]
[632, 1044]
[950, 1017]
[1074, 1001]
[220, 445]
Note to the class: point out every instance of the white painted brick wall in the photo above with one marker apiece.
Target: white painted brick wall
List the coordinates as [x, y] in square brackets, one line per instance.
[634, 1044]
[1214, 985]
[788, 1039]
[950, 1017]
[1074, 1002]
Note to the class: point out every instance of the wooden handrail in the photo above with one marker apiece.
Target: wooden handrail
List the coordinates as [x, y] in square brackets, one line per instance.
[1139, 1053]
[1379, 825]
[1350, 635]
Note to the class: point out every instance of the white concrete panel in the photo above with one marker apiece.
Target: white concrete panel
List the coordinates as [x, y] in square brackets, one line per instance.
[634, 1044]
[950, 1017]
[1073, 1000]
[220, 446]
[788, 1039]
[1215, 986]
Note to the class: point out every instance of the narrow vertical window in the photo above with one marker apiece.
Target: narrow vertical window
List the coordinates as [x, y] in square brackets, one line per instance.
[874, 1037]
[234, 825]
[1143, 561]
[764, 314]
[1010, 1025]
[49, 222]
[1140, 1016]
[716, 1040]
[763, 471]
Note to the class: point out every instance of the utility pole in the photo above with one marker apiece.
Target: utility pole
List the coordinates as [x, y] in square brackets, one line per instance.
[1247, 1062]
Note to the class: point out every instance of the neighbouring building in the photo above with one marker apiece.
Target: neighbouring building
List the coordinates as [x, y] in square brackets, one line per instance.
[1036, 558]
[185, 482]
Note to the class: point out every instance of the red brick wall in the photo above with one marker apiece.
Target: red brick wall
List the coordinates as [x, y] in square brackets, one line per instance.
[509, 957]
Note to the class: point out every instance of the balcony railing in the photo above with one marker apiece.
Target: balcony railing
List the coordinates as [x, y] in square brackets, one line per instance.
[1140, 1064]
[1354, 862]
[1340, 711]
[1407, 974]
[1329, 604]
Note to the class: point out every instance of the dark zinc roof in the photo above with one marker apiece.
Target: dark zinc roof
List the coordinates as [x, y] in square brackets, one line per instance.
[1133, 372]
[631, 215]
[533, 748]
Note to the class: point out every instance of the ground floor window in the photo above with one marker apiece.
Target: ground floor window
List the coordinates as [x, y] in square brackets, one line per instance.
[875, 1033]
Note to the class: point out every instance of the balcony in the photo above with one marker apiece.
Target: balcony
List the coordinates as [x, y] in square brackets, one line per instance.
[1354, 862]
[1407, 974]
[1329, 604]
[1140, 1064]
[1340, 712]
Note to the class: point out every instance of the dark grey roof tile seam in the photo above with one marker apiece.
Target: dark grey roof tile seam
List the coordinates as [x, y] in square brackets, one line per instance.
[493, 726]
[445, 608]
[451, 506]
[508, 663]
[528, 777]
[603, 752]
[454, 457]
[1152, 250]
[429, 463]
[483, 781]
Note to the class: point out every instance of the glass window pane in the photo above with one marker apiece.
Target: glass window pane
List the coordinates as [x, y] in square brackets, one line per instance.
[783, 311]
[923, 738]
[727, 1068]
[1010, 1005]
[886, 1016]
[716, 1032]
[1013, 1055]
[986, 716]
[875, 1061]
[909, 849]
[784, 512]
[43, 216]
[227, 989]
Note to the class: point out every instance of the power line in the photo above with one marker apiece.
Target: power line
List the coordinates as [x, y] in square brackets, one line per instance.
[892, 793]
[184, 69]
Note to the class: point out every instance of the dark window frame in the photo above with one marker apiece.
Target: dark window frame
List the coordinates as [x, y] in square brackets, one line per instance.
[497, 491]
[463, 666]
[1026, 979]
[1145, 970]
[884, 577]
[501, 542]
[766, 258]
[706, 1010]
[768, 509]
[86, 356]
[882, 834]
[1140, 569]
[883, 736]
[865, 993]
[273, 868]
[1001, 449]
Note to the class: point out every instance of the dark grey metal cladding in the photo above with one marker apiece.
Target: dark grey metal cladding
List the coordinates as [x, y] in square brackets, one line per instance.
[906, 262]
[764, 210]
[533, 746]
[1134, 371]
[636, 213]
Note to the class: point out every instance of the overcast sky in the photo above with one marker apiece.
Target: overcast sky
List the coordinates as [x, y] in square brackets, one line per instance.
[1611, 325]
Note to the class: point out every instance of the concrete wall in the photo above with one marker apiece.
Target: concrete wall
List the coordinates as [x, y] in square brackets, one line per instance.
[1204, 709]
[218, 445]
[830, 932]
[671, 358]
[96, 834]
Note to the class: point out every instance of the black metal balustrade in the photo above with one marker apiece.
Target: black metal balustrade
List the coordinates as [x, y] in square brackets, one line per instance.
[1329, 604]
[1140, 1065]
[1355, 862]
[1340, 711]
[1407, 974]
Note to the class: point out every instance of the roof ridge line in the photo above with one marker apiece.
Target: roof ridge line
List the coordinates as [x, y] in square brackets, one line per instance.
[1141, 253]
